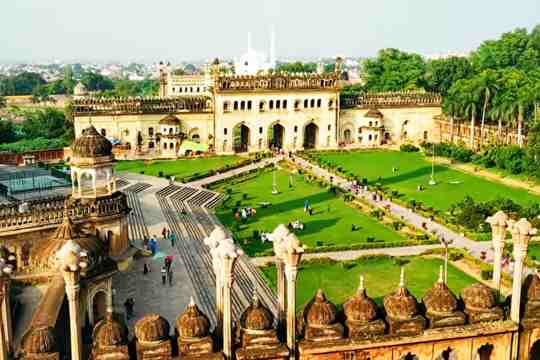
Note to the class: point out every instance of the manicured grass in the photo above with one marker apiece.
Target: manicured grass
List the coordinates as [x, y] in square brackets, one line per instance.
[178, 168]
[329, 225]
[414, 170]
[534, 250]
[339, 280]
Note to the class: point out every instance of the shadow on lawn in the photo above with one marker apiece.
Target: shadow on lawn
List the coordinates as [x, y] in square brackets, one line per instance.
[421, 172]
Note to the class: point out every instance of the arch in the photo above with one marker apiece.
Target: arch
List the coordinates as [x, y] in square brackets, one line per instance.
[297, 103]
[276, 135]
[347, 136]
[103, 132]
[262, 105]
[241, 138]
[484, 352]
[249, 105]
[235, 106]
[311, 136]
[96, 304]
[226, 106]
[150, 131]
[535, 350]
[312, 103]
[86, 183]
[306, 103]
[448, 354]
[271, 105]
[243, 105]
[410, 356]
[284, 105]
[319, 103]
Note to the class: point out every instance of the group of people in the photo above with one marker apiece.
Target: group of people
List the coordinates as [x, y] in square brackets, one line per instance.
[245, 213]
[169, 235]
[167, 271]
[150, 244]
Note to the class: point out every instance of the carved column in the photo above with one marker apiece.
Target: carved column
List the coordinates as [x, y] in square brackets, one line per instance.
[281, 288]
[498, 223]
[6, 335]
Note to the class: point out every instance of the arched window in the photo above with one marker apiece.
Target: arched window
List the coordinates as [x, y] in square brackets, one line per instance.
[331, 104]
[278, 104]
[236, 105]
[447, 354]
[296, 104]
[306, 102]
[226, 106]
[150, 131]
[425, 135]
[103, 132]
[295, 128]
[319, 102]
[312, 104]
[171, 131]
[225, 131]
[271, 104]
[198, 89]
[249, 105]
[410, 356]
[180, 89]
[359, 130]
[370, 124]
[370, 137]
[260, 130]
[165, 146]
[329, 127]
[285, 104]
[191, 89]
[151, 145]
[261, 105]
[242, 105]
[485, 351]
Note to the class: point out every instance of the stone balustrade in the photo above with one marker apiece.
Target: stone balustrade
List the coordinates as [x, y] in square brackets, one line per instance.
[276, 82]
[392, 99]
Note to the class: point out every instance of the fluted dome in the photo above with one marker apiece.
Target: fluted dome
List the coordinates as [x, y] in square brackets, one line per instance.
[401, 304]
[321, 311]
[110, 332]
[531, 288]
[439, 299]
[152, 328]
[39, 340]
[478, 297]
[193, 323]
[257, 317]
[91, 144]
[360, 307]
[169, 120]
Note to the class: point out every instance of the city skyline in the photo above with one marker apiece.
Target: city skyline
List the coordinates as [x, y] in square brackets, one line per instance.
[147, 32]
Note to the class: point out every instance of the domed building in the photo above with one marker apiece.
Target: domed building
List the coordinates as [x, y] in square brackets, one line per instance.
[362, 315]
[193, 331]
[320, 317]
[110, 339]
[39, 343]
[442, 306]
[152, 338]
[480, 304]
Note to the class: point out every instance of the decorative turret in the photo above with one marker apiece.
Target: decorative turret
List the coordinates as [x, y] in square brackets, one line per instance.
[402, 311]
[152, 337]
[320, 318]
[92, 165]
[39, 343]
[480, 304]
[193, 331]
[442, 306]
[531, 301]
[110, 337]
[361, 314]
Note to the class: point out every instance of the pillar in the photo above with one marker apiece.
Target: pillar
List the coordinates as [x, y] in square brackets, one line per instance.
[219, 305]
[291, 273]
[6, 315]
[71, 279]
[498, 224]
[281, 288]
[228, 264]
[4, 345]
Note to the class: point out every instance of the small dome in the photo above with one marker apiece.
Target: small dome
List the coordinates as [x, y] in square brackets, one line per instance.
[80, 89]
[152, 328]
[91, 144]
[39, 340]
[531, 288]
[321, 311]
[257, 317]
[169, 120]
[478, 297]
[360, 307]
[401, 304]
[110, 332]
[439, 299]
[193, 323]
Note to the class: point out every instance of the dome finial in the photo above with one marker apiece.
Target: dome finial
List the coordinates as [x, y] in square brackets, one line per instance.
[361, 286]
[441, 278]
[191, 301]
[402, 278]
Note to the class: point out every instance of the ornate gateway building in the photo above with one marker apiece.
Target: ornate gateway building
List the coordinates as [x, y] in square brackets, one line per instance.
[247, 113]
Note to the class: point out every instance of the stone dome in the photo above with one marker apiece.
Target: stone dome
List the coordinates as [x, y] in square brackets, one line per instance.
[193, 323]
[321, 311]
[169, 120]
[39, 340]
[360, 307]
[478, 297]
[440, 299]
[257, 317]
[110, 332]
[152, 328]
[531, 287]
[80, 89]
[401, 304]
[91, 144]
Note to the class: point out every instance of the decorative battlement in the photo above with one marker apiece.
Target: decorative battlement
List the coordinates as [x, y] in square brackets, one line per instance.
[44, 213]
[279, 81]
[141, 105]
[392, 99]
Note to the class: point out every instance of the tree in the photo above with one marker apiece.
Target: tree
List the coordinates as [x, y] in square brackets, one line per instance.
[3, 102]
[7, 132]
[297, 67]
[442, 73]
[20, 84]
[465, 96]
[68, 82]
[394, 70]
[486, 86]
[96, 82]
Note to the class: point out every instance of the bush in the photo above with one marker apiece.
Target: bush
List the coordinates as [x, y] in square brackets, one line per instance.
[486, 274]
[408, 148]
[160, 173]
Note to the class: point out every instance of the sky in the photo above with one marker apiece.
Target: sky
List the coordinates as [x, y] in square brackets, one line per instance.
[180, 30]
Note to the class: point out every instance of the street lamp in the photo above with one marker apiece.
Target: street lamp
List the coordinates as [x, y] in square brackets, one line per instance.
[432, 179]
[446, 243]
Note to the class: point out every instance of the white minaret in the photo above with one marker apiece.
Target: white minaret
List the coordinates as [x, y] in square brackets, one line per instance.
[272, 58]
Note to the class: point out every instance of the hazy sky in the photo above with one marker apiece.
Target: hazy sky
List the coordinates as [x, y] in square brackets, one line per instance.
[177, 30]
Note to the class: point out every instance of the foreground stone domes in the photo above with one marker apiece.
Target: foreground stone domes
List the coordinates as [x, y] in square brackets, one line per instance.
[478, 297]
[193, 323]
[321, 311]
[152, 328]
[110, 332]
[91, 144]
[257, 317]
[39, 340]
[439, 299]
[360, 307]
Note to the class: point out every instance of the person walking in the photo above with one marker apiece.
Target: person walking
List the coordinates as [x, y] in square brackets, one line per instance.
[129, 304]
[170, 274]
[173, 239]
[164, 233]
[163, 274]
[146, 269]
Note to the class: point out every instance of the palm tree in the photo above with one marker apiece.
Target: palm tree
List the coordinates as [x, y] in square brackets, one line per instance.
[499, 111]
[526, 98]
[487, 86]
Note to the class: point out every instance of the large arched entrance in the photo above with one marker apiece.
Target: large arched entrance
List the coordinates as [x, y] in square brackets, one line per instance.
[347, 136]
[311, 136]
[535, 350]
[276, 136]
[241, 138]
[484, 352]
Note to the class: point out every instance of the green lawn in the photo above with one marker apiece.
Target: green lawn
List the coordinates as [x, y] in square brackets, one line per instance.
[452, 185]
[340, 281]
[179, 168]
[330, 224]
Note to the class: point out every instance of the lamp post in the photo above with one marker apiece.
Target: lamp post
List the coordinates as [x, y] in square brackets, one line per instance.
[446, 243]
[432, 179]
[71, 261]
[499, 223]
[5, 341]
[274, 183]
